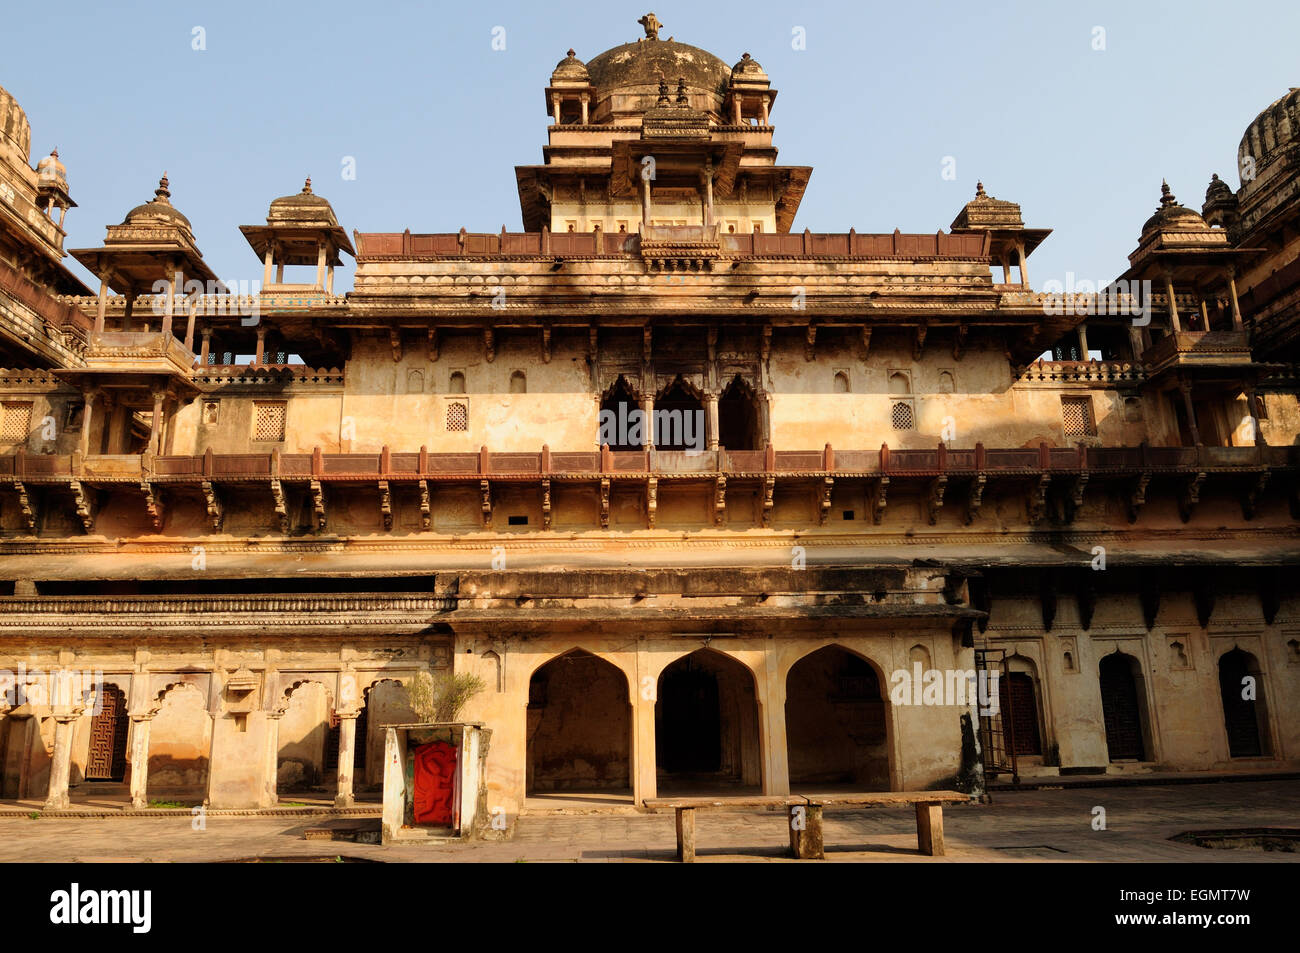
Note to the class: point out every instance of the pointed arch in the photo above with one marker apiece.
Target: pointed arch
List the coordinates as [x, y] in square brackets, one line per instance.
[579, 726]
[739, 420]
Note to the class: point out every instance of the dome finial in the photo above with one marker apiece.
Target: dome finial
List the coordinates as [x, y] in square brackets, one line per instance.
[979, 191]
[161, 194]
[55, 152]
[306, 188]
[1166, 196]
[652, 26]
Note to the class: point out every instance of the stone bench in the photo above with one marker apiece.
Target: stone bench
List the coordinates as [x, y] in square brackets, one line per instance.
[804, 816]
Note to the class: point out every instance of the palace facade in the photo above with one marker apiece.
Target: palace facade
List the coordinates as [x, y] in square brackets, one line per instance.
[708, 501]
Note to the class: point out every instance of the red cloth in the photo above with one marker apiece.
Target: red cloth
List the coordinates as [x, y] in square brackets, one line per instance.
[435, 782]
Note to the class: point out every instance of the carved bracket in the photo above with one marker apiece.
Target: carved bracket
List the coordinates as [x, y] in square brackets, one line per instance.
[1137, 497]
[546, 504]
[85, 505]
[719, 500]
[959, 345]
[769, 506]
[395, 341]
[1150, 598]
[426, 507]
[1074, 502]
[26, 505]
[489, 345]
[865, 349]
[810, 343]
[604, 503]
[318, 504]
[1086, 595]
[281, 507]
[153, 504]
[1190, 496]
[386, 504]
[1037, 503]
[918, 344]
[1254, 489]
[879, 500]
[934, 498]
[765, 346]
[214, 508]
[431, 345]
[975, 497]
[546, 344]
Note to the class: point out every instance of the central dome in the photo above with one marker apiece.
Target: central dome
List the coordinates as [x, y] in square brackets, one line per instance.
[627, 77]
[1272, 132]
[13, 124]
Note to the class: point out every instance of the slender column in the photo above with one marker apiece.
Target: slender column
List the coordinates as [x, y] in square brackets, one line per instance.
[585, 100]
[1252, 404]
[347, 754]
[1006, 269]
[1083, 341]
[61, 768]
[169, 307]
[1186, 388]
[1232, 296]
[776, 763]
[644, 775]
[1024, 266]
[103, 306]
[266, 269]
[1174, 323]
[191, 311]
[279, 273]
[1205, 316]
[735, 110]
[555, 109]
[645, 198]
[128, 311]
[271, 765]
[155, 427]
[206, 347]
[1136, 342]
[648, 409]
[329, 281]
[261, 346]
[87, 418]
[767, 101]
[320, 265]
[711, 402]
[140, 761]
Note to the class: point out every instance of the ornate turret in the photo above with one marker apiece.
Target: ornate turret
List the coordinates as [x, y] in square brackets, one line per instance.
[300, 229]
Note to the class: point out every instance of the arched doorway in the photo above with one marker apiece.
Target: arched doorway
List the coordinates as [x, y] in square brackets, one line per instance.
[180, 743]
[618, 427]
[302, 737]
[1018, 702]
[1244, 715]
[106, 757]
[738, 418]
[1123, 706]
[836, 722]
[579, 727]
[706, 726]
[679, 418]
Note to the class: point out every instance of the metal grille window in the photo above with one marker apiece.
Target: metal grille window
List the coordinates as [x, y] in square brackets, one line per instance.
[901, 416]
[268, 420]
[457, 418]
[1076, 415]
[16, 422]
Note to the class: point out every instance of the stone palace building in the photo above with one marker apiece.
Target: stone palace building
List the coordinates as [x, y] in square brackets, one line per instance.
[710, 502]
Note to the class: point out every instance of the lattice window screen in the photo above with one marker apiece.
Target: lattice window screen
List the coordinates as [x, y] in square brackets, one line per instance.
[16, 423]
[268, 420]
[457, 418]
[901, 416]
[1076, 415]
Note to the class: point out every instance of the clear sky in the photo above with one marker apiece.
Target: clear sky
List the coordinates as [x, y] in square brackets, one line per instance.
[436, 119]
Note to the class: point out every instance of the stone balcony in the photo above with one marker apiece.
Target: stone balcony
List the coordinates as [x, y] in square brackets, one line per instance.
[138, 352]
[1198, 349]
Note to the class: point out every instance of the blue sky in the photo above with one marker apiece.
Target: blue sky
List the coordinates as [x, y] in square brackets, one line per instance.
[436, 119]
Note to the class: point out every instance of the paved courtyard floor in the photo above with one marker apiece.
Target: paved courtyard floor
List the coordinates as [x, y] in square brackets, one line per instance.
[1051, 825]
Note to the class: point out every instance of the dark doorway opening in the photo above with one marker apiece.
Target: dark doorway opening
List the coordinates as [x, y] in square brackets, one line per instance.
[1243, 717]
[738, 417]
[835, 722]
[1020, 713]
[679, 419]
[706, 725]
[579, 726]
[617, 426]
[1121, 707]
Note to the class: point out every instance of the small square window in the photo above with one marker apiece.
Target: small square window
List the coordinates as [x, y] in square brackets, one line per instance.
[16, 423]
[1076, 417]
[268, 420]
[457, 417]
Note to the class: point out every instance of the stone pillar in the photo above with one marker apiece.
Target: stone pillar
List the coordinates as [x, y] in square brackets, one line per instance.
[128, 311]
[707, 176]
[206, 347]
[735, 110]
[646, 209]
[320, 266]
[1136, 342]
[140, 761]
[271, 765]
[266, 269]
[329, 280]
[1252, 407]
[1024, 266]
[585, 101]
[1188, 406]
[711, 403]
[776, 761]
[103, 306]
[87, 418]
[1205, 316]
[191, 311]
[1174, 323]
[347, 754]
[169, 306]
[1083, 341]
[261, 346]
[766, 102]
[1232, 297]
[644, 770]
[648, 421]
[61, 767]
[155, 425]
